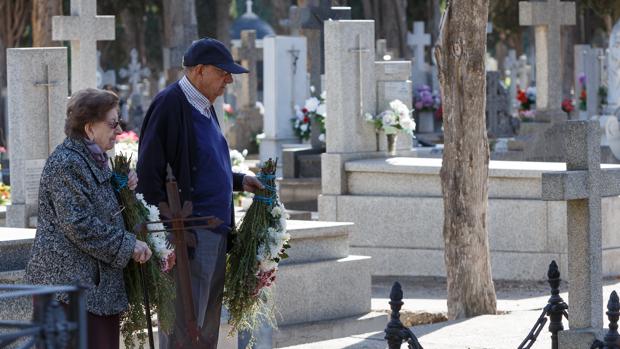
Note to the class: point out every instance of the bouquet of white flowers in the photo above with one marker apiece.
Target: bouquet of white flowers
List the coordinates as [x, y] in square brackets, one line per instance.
[397, 118]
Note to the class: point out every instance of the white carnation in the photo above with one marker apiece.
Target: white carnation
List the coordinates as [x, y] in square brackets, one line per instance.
[322, 110]
[312, 103]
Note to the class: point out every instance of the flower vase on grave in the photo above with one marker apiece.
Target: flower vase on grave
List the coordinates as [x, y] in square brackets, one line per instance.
[391, 144]
[426, 122]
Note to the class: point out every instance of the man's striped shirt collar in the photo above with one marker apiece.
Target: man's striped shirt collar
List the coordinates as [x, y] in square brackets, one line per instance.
[195, 98]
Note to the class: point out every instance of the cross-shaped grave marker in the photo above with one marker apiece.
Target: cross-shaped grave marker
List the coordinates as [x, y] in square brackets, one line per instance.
[293, 22]
[312, 17]
[418, 40]
[582, 186]
[547, 17]
[83, 28]
[135, 72]
[248, 54]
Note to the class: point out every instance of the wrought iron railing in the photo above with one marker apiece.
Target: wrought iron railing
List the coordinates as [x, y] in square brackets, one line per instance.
[396, 333]
[555, 310]
[53, 326]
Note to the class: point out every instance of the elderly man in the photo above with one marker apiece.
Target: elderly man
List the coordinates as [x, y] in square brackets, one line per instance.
[182, 129]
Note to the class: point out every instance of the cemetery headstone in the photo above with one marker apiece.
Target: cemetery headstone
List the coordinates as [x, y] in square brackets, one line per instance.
[393, 83]
[587, 70]
[285, 87]
[524, 72]
[135, 74]
[37, 98]
[547, 17]
[83, 28]
[293, 22]
[249, 120]
[382, 51]
[613, 70]
[313, 16]
[582, 186]
[104, 78]
[511, 66]
[417, 41]
[498, 118]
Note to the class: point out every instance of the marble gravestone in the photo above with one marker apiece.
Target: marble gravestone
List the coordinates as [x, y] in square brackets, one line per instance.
[135, 73]
[107, 77]
[417, 41]
[524, 71]
[83, 28]
[285, 86]
[37, 98]
[613, 70]
[510, 71]
[249, 120]
[588, 63]
[547, 17]
[498, 117]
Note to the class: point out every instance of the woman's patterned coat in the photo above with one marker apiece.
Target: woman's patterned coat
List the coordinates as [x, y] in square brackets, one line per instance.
[80, 235]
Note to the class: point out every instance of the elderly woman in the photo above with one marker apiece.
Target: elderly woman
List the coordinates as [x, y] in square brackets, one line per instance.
[81, 237]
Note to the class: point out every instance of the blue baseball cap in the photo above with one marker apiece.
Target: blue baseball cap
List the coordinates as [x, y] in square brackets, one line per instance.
[209, 51]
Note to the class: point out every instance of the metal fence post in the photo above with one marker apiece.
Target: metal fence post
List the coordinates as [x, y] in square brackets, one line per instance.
[556, 308]
[395, 332]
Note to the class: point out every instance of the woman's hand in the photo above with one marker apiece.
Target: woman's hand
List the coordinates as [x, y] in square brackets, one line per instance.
[141, 252]
[132, 180]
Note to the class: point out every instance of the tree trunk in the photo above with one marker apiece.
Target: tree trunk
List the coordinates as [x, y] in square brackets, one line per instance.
[222, 13]
[460, 54]
[180, 30]
[42, 12]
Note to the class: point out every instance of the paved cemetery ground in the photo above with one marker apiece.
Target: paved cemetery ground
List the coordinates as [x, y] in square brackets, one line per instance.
[519, 304]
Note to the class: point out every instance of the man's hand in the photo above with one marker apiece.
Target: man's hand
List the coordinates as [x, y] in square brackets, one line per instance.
[251, 184]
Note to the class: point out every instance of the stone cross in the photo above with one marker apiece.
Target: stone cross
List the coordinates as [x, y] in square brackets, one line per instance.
[547, 17]
[37, 98]
[511, 67]
[523, 72]
[249, 55]
[293, 22]
[582, 186]
[135, 72]
[83, 28]
[312, 17]
[498, 117]
[418, 40]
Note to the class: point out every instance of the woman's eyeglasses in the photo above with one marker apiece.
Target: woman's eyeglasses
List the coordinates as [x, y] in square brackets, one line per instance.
[113, 125]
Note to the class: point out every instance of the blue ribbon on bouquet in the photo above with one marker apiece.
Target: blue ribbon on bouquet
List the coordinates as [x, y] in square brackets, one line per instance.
[263, 178]
[121, 181]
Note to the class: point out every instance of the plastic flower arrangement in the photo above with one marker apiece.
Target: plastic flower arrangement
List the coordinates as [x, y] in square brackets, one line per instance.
[397, 118]
[527, 100]
[314, 110]
[567, 106]
[425, 100]
[127, 143]
[583, 96]
[5, 194]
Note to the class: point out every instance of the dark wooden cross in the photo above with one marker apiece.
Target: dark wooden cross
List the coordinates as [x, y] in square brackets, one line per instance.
[176, 218]
[312, 17]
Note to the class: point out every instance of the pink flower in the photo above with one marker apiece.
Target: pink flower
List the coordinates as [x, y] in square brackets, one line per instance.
[168, 261]
[2, 149]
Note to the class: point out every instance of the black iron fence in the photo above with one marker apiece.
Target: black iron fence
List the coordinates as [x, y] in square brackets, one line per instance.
[555, 310]
[612, 338]
[53, 326]
[395, 332]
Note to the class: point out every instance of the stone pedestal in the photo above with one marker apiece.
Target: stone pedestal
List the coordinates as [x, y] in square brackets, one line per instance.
[372, 192]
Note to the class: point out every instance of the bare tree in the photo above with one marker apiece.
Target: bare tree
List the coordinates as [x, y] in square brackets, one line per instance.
[42, 12]
[180, 29]
[460, 56]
